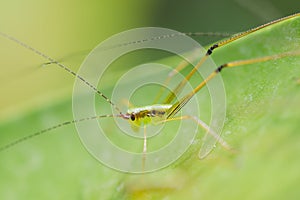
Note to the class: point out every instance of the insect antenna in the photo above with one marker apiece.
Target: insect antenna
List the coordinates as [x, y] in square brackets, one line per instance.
[41, 132]
[150, 39]
[161, 37]
[53, 61]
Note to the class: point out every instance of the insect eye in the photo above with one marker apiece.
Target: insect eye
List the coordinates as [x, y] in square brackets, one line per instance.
[132, 117]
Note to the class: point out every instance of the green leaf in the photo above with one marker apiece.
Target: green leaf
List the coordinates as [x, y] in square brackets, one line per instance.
[262, 124]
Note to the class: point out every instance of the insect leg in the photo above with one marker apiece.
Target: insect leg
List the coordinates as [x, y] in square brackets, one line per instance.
[144, 149]
[205, 149]
[210, 50]
[178, 105]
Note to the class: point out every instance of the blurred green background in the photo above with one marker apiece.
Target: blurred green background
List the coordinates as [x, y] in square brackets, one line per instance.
[262, 109]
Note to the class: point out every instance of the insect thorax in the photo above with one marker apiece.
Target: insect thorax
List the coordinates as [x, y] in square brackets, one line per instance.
[145, 115]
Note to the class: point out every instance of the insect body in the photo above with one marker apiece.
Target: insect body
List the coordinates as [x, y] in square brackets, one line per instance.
[152, 114]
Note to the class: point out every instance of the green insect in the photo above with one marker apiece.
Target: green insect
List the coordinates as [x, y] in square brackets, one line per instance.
[141, 117]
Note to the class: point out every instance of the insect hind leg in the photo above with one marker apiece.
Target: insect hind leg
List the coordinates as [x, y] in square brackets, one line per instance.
[206, 148]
